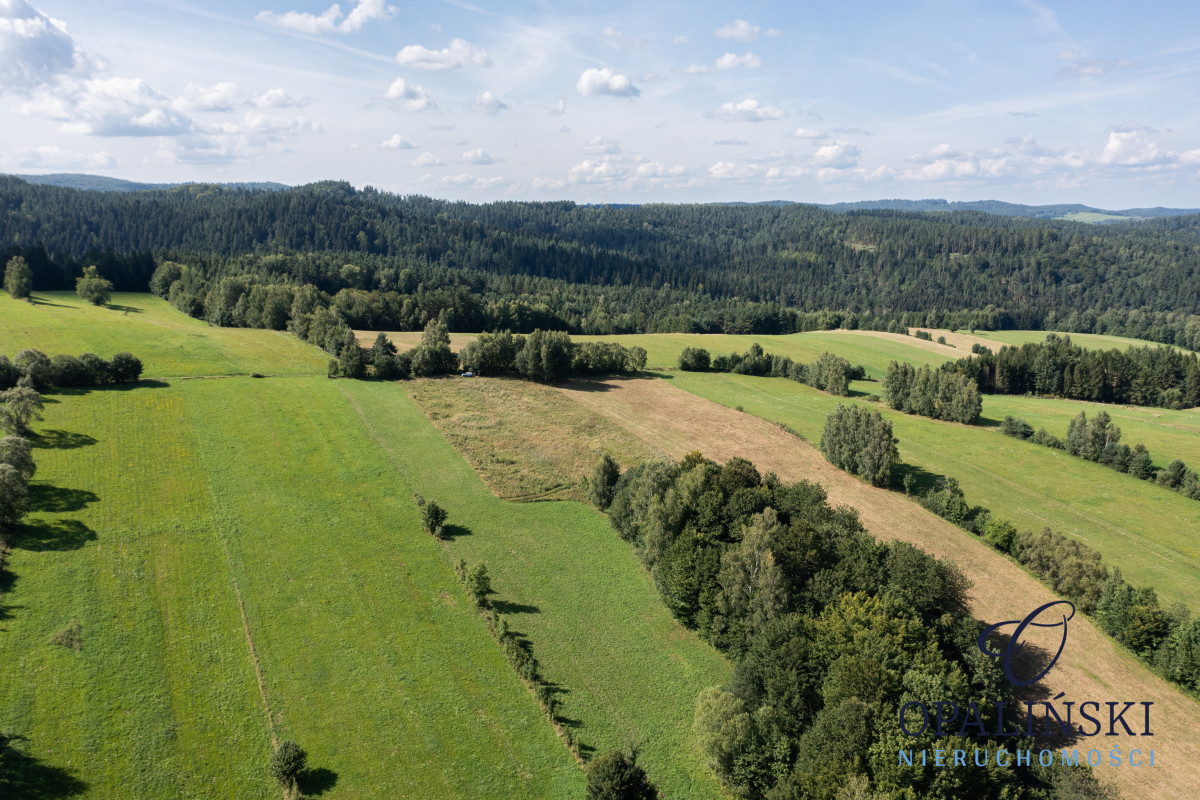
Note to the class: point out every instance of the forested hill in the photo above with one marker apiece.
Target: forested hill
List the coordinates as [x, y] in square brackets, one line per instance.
[681, 260]
[1000, 208]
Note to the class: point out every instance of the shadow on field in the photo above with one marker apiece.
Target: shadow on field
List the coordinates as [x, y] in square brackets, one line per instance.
[26, 777]
[610, 382]
[7, 581]
[923, 479]
[80, 391]
[43, 497]
[505, 607]
[1029, 660]
[316, 782]
[61, 440]
[452, 532]
[988, 422]
[126, 309]
[53, 535]
[38, 301]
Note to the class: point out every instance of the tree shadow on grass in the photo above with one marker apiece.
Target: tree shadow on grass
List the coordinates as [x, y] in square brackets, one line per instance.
[80, 391]
[1028, 660]
[316, 782]
[23, 776]
[7, 581]
[505, 607]
[38, 301]
[53, 535]
[452, 532]
[126, 309]
[57, 499]
[608, 382]
[922, 479]
[61, 440]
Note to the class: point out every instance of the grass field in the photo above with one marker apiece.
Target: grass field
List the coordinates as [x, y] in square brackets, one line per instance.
[160, 505]
[626, 668]
[526, 440]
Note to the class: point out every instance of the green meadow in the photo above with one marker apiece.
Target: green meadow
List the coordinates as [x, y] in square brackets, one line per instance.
[1144, 529]
[245, 562]
[1091, 341]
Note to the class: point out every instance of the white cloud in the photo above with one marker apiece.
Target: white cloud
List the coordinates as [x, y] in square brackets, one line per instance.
[54, 158]
[748, 110]
[397, 142]
[727, 61]
[456, 180]
[605, 81]
[34, 49]
[487, 103]
[598, 171]
[489, 183]
[331, 20]
[428, 160]
[266, 127]
[110, 107]
[809, 133]
[460, 53]
[739, 30]
[277, 98]
[557, 108]
[478, 156]
[732, 142]
[1131, 148]
[655, 169]
[839, 155]
[599, 145]
[411, 96]
[943, 162]
[196, 97]
[549, 183]
[727, 170]
[681, 40]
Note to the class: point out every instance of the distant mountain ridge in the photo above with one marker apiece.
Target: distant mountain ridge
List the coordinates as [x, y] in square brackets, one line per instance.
[1075, 211]
[100, 183]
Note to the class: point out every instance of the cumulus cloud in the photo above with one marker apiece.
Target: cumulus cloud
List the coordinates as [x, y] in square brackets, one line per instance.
[838, 155]
[398, 142]
[460, 53]
[729, 170]
[110, 107]
[277, 98]
[267, 127]
[557, 108]
[487, 103]
[597, 171]
[727, 61]
[599, 145]
[428, 160]
[739, 30]
[197, 97]
[605, 81]
[332, 20]
[655, 169]
[943, 162]
[409, 97]
[748, 110]
[808, 133]
[1132, 148]
[34, 49]
[478, 156]
[489, 183]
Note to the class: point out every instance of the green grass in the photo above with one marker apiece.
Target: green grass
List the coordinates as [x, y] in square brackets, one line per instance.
[1089, 341]
[626, 668]
[159, 504]
[874, 353]
[169, 344]
[1144, 529]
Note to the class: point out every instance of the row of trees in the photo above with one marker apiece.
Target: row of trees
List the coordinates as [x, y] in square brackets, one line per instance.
[42, 372]
[1145, 376]
[859, 440]
[829, 373]
[1099, 440]
[940, 394]
[830, 633]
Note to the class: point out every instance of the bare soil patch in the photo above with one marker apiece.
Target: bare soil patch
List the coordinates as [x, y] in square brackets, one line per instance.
[1092, 667]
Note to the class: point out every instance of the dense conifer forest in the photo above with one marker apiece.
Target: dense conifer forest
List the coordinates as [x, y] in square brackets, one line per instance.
[395, 261]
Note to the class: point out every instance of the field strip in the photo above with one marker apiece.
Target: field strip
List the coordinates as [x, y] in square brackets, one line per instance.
[912, 341]
[1093, 667]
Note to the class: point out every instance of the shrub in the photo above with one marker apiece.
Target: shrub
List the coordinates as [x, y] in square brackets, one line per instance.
[600, 485]
[1016, 427]
[860, 441]
[287, 762]
[694, 359]
[125, 368]
[433, 516]
[617, 776]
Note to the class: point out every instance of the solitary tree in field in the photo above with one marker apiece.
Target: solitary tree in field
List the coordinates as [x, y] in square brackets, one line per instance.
[433, 517]
[287, 762]
[18, 279]
[94, 288]
[18, 406]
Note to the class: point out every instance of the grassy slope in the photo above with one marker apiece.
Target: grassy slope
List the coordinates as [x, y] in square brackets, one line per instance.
[568, 583]
[370, 654]
[1142, 528]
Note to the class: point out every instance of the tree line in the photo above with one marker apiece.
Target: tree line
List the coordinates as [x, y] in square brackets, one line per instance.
[702, 268]
[829, 373]
[1143, 376]
[39, 371]
[830, 633]
[1099, 440]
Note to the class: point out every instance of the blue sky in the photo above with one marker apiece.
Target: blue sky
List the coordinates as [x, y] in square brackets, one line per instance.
[1018, 100]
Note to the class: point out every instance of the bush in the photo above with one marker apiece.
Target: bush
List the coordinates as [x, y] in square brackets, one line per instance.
[433, 517]
[479, 585]
[1016, 427]
[926, 335]
[600, 485]
[617, 776]
[125, 368]
[287, 762]
[1071, 568]
[694, 359]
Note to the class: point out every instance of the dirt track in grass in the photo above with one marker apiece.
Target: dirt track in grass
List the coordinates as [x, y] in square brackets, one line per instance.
[1092, 667]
